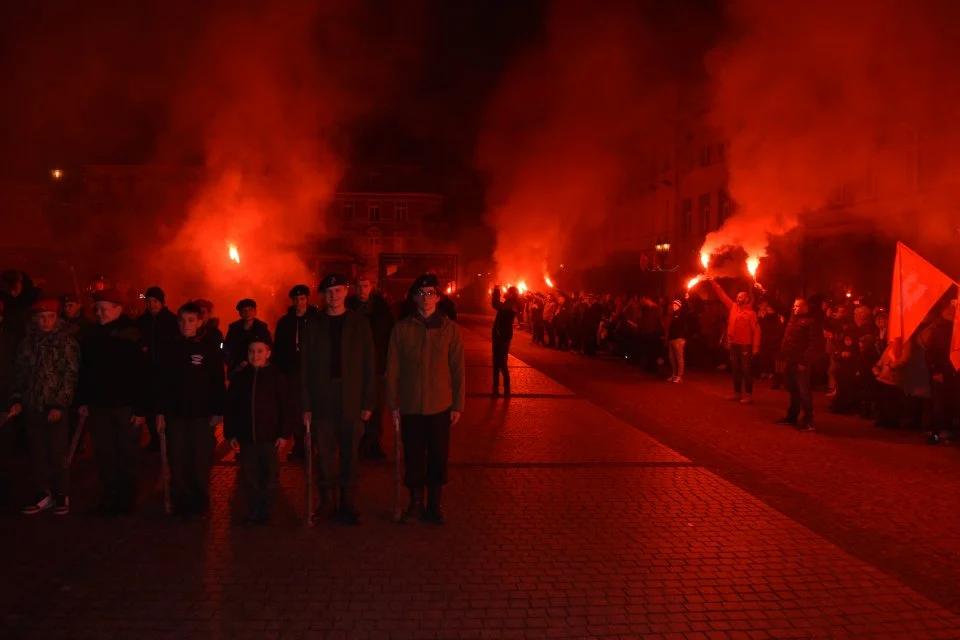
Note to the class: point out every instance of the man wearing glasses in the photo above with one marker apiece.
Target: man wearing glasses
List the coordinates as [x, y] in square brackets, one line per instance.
[425, 391]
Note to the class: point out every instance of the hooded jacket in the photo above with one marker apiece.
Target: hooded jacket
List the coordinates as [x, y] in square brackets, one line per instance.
[47, 369]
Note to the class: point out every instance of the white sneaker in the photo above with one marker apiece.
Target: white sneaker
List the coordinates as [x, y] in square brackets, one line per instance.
[43, 504]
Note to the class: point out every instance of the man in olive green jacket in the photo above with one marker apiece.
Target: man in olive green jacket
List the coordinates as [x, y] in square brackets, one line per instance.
[339, 393]
[425, 390]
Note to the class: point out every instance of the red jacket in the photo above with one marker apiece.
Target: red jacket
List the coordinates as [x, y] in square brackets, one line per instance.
[742, 326]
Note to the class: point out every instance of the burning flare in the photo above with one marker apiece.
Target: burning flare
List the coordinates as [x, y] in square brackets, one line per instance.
[752, 263]
[705, 259]
[694, 281]
[546, 278]
[234, 254]
[522, 287]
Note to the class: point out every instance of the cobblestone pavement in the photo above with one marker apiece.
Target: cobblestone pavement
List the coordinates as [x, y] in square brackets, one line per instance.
[566, 520]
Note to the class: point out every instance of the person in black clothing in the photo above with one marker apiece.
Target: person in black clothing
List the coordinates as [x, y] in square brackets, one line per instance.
[590, 325]
[241, 333]
[17, 293]
[286, 351]
[507, 310]
[537, 326]
[8, 435]
[561, 323]
[943, 377]
[803, 346]
[677, 338]
[771, 337]
[209, 326]
[112, 393]
[847, 359]
[377, 311]
[189, 407]
[75, 321]
[158, 329]
[260, 414]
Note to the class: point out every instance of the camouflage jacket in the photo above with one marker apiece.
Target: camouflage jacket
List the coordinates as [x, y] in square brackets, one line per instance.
[47, 368]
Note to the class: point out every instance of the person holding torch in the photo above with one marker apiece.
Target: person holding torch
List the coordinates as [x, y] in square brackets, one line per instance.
[743, 333]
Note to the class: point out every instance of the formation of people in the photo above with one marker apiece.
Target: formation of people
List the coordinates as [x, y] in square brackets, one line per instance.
[814, 344]
[337, 372]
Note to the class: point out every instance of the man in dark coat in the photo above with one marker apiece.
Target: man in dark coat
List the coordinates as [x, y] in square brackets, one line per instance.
[75, 320]
[286, 350]
[242, 332]
[803, 346]
[192, 394]
[338, 393]
[112, 391]
[17, 294]
[158, 330]
[372, 305]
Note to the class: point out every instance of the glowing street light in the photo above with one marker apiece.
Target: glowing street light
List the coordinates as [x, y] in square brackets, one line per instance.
[56, 174]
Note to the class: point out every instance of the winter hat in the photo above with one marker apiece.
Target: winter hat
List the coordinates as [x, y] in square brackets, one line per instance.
[45, 305]
[246, 302]
[204, 304]
[157, 294]
[426, 280]
[332, 280]
[264, 339]
[110, 294]
[300, 290]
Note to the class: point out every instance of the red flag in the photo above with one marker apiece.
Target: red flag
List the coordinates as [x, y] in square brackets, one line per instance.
[955, 340]
[917, 287]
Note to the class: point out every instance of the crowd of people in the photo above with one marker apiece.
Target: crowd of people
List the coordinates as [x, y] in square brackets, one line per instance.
[840, 348]
[337, 372]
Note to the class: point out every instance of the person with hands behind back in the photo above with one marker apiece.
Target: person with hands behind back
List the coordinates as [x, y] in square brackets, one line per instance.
[260, 414]
[190, 405]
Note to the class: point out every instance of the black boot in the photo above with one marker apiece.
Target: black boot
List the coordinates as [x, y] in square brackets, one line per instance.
[327, 508]
[415, 508]
[434, 512]
[348, 510]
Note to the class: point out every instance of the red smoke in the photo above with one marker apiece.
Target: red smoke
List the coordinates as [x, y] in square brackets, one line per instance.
[563, 134]
[815, 97]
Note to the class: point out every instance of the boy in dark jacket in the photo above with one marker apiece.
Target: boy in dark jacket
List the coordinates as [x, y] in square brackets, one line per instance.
[190, 405]
[260, 414]
[803, 346]
[112, 392]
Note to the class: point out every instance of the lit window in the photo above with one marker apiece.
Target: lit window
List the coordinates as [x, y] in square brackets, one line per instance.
[373, 211]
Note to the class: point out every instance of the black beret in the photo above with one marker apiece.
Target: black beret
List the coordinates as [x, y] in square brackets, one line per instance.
[426, 280]
[300, 290]
[332, 280]
[246, 302]
[156, 293]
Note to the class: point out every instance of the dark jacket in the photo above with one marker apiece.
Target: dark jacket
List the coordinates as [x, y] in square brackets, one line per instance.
[259, 406]
[78, 327]
[378, 314]
[358, 378]
[286, 346]
[771, 333]
[803, 341]
[507, 310]
[47, 368]
[8, 363]
[192, 383]
[113, 368]
[425, 366]
[938, 350]
[157, 333]
[679, 323]
[238, 339]
[210, 331]
[17, 308]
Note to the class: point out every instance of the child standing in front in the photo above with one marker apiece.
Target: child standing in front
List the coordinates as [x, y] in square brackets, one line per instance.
[260, 415]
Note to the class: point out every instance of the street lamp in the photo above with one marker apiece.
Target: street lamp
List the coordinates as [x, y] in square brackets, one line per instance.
[56, 174]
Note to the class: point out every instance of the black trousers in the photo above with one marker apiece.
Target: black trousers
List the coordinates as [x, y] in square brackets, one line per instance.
[501, 351]
[801, 393]
[373, 429]
[741, 365]
[945, 410]
[426, 449]
[190, 443]
[116, 445]
[49, 444]
[260, 470]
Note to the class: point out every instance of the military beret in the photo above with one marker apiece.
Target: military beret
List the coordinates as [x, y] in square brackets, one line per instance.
[110, 294]
[332, 280]
[426, 280]
[246, 302]
[300, 290]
